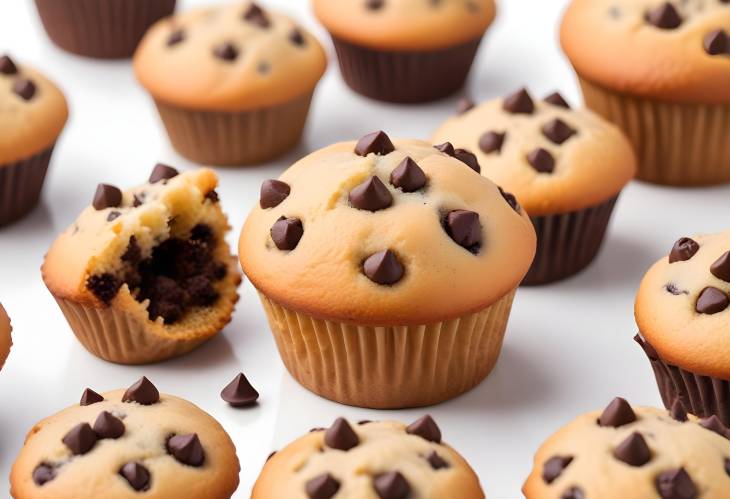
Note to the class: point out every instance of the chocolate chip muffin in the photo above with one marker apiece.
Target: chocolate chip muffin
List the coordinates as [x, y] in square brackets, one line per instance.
[406, 50]
[146, 274]
[660, 70]
[5, 340]
[127, 444]
[33, 113]
[387, 270]
[566, 167]
[385, 460]
[633, 453]
[232, 83]
[683, 318]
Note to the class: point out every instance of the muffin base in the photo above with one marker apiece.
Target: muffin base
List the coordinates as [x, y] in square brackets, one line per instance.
[405, 77]
[389, 367]
[21, 184]
[568, 242]
[106, 29]
[680, 144]
[235, 138]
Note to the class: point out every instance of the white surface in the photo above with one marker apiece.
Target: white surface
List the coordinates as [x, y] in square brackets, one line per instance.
[568, 348]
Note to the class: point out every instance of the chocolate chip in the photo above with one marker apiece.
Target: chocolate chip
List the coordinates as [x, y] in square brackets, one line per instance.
[727, 466]
[272, 454]
[239, 392]
[465, 104]
[107, 196]
[212, 196]
[468, 158]
[24, 88]
[673, 289]
[519, 103]
[714, 424]
[286, 233]
[371, 195]
[464, 228]
[510, 198]
[43, 473]
[80, 439]
[257, 16]
[374, 143]
[104, 286]
[341, 436]
[90, 397]
[675, 484]
[557, 100]
[717, 43]
[138, 199]
[108, 426]
[383, 268]
[426, 428]
[711, 301]
[297, 38]
[137, 475]
[721, 267]
[175, 37]
[273, 192]
[573, 493]
[446, 148]
[7, 66]
[143, 392]
[162, 172]
[322, 487]
[557, 131]
[618, 413]
[113, 215]
[436, 461]
[186, 449]
[664, 16]
[391, 485]
[541, 160]
[226, 52]
[633, 451]
[554, 467]
[684, 249]
[491, 142]
[374, 4]
[408, 176]
[678, 412]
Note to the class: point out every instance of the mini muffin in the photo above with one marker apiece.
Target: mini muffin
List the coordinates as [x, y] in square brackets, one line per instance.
[385, 460]
[684, 324]
[106, 29]
[387, 270]
[406, 51]
[633, 453]
[565, 167]
[126, 444]
[33, 113]
[5, 339]
[232, 83]
[661, 71]
[146, 274]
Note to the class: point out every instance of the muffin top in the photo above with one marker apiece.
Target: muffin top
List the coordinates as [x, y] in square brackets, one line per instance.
[633, 453]
[682, 305]
[5, 340]
[127, 444]
[370, 460]
[674, 51]
[32, 112]
[552, 158]
[232, 57]
[407, 25]
[414, 235]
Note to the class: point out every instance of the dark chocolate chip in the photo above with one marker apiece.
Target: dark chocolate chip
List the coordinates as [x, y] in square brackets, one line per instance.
[675, 484]
[239, 392]
[226, 52]
[364, 422]
[90, 397]
[557, 131]
[665, 16]
[633, 451]
[175, 37]
[113, 215]
[511, 199]
[465, 104]
[426, 428]
[162, 172]
[678, 411]
[711, 301]
[108, 426]
[186, 449]
[391, 485]
[272, 454]
[371, 195]
[24, 88]
[684, 249]
[212, 196]
[727, 466]
[80, 439]
[383, 268]
[673, 289]
[143, 392]
[322, 487]
[256, 15]
[341, 436]
[104, 286]
[557, 100]
[7, 66]
[468, 158]
[408, 176]
[491, 142]
[374, 143]
[43, 473]
[374, 4]
[717, 43]
[297, 38]
[554, 467]
[137, 475]
[541, 160]
[436, 461]
[519, 103]
[107, 196]
[286, 233]
[618, 413]
[714, 424]
[573, 493]
[464, 228]
[273, 192]
[721, 267]
[446, 148]
[138, 199]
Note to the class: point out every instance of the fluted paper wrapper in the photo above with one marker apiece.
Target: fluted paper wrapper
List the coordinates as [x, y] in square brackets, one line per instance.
[21, 184]
[235, 138]
[681, 144]
[389, 367]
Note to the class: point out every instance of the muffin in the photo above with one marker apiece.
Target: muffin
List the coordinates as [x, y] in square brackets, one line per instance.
[633, 453]
[5, 339]
[682, 313]
[105, 29]
[386, 460]
[387, 270]
[566, 167]
[126, 444]
[661, 71]
[405, 51]
[232, 83]
[33, 113]
[146, 274]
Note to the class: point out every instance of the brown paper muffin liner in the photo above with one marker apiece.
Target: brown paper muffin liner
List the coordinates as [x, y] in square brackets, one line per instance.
[21, 184]
[405, 77]
[235, 138]
[107, 29]
[568, 242]
[389, 367]
[681, 144]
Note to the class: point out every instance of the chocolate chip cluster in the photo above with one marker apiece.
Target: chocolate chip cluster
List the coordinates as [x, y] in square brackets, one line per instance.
[82, 438]
[23, 87]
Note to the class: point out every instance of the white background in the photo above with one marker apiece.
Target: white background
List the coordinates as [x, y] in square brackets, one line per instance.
[568, 348]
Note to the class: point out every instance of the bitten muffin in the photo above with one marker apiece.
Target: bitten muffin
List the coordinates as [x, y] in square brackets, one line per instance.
[33, 113]
[146, 274]
[633, 453]
[385, 460]
[232, 83]
[106, 29]
[661, 71]
[387, 270]
[566, 167]
[405, 50]
[684, 323]
[127, 444]
[5, 339]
